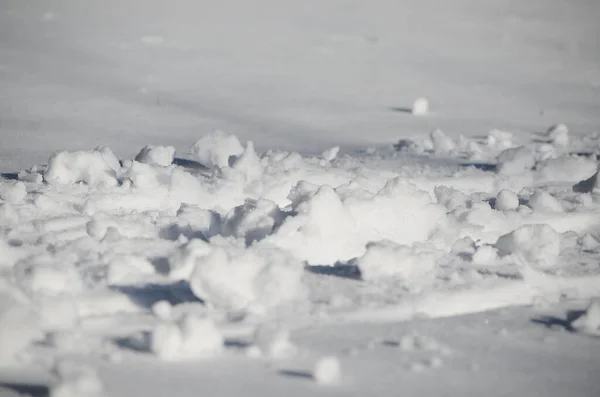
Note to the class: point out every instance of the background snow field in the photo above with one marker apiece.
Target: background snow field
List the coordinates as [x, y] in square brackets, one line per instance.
[311, 198]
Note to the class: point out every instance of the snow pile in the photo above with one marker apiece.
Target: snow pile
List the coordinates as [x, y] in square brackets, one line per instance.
[538, 245]
[156, 155]
[327, 370]
[216, 148]
[515, 161]
[192, 337]
[414, 265]
[93, 167]
[236, 278]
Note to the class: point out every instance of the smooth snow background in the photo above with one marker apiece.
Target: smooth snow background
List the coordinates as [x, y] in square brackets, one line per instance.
[294, 75]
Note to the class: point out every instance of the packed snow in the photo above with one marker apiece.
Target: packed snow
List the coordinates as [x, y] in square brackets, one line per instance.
[308, 198]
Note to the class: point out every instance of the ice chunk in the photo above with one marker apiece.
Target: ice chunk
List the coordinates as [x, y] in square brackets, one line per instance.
[537, 244]
[215, 149]
[507, 200]
[327, 370]
[95, 167]
[420, 107]
[156, 155]
[515, 161]
[542, 201]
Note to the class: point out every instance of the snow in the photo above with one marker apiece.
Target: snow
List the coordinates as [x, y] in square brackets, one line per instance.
[236, 198]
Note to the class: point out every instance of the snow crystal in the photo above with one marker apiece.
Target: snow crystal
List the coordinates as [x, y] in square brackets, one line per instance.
[327, 370]
[515, 161]
[542, 201]
[537, 244]
[156, 155]
[507, 200]
[420, 107]
[385, 258]
[216, 148]
[12, 192]
[95, 167]
[192, 337]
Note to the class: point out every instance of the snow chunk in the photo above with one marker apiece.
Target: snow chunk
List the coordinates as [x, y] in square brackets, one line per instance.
[252, 221]
[589, 321]
[330, 154]
[558, 135]
[385, 258]
[95, 167]
[442, 143]
[420, 107]
[566, 168]
[327, 371]
[77, 381]
[128, 269]
[515, 161]
[507, 200]
[248, 164]
[542, 201]
[273, 342]
[215, 149]
[256, 279]
[499, 139]
[12, 192]
[537, 244]
[156, 155]
[183, 261]
[191, 338]
[450, 197]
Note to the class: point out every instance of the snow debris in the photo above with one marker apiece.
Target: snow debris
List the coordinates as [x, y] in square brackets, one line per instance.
[385, 258]
[330, 154]
[93, 167]
[515, 161]
[507, 200]
[76, 380]
[156, 155]
[589, 321]
[216, 148]
[12, 192]
[327, 370]
[273, 342]
[128, 270]
[192, 337]
[537, 244]
[442, 143]
[254, 279]
[542, 201]
[420, 107]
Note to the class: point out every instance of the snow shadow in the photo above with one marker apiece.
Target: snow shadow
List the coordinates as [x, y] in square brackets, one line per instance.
[146, 296]
[11, 176]
[342, 270]
[14, 389]
[400, 109]
[564, 323]
[296, 373]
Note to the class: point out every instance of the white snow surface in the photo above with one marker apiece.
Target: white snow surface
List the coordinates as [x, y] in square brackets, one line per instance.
[234, 198]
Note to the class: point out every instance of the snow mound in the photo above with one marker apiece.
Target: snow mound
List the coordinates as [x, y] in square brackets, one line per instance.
[216, 148]
[385, 258]
[93, 167]
[192, 337]
[515, 161]
[327, 370]
[537, 244]
[254, 279]
[156, 155]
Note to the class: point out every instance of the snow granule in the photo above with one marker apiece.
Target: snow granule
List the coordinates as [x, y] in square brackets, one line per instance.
[327, 371]
[156, 155]
[216, 148]
[537, 244]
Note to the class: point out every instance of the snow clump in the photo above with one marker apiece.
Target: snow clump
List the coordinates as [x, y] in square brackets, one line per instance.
[537, 244]
[420, 107]
[156, 155]
[515, 161]
[216, 148]
[542, 201]
[93, 167]
[507, 200]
